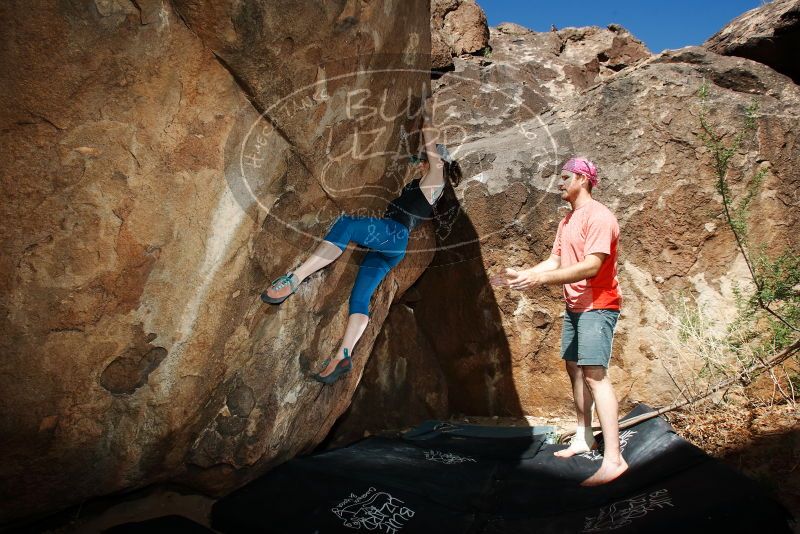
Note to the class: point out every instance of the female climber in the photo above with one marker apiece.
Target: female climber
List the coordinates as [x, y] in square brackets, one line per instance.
[387, 239]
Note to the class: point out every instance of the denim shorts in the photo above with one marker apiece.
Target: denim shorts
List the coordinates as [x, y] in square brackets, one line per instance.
[587, 337]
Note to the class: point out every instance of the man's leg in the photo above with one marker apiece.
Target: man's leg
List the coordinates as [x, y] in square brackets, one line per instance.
[583, 440]
[598, 382]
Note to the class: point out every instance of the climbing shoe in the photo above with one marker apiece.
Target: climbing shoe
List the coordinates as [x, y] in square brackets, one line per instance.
[344, 366]
[288, 279]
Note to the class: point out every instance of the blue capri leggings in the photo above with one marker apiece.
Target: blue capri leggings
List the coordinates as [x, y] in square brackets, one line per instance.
[388, 240]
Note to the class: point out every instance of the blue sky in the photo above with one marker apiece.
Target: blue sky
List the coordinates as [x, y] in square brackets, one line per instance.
[659, 24]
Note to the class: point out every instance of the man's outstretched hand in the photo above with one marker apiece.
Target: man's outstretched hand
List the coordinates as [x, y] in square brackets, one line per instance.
[518, 280]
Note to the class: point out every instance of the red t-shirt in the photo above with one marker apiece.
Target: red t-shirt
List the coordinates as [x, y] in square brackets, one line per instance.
[586, 230]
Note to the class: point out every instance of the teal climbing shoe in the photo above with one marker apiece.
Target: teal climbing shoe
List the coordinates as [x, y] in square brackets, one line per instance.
[342, 368]
[279, 283]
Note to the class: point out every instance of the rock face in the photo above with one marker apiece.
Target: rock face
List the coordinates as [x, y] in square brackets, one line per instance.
[457, 27]
[511, 121]
[769, 34]
[527, 72]
[164, 161]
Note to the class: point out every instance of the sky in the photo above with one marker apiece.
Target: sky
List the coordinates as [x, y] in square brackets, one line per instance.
[660, 24]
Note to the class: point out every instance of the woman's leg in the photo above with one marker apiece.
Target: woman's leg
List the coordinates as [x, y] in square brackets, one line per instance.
[322, 256]
[369, 232]
[356, 324]
[389, 237]
[332, 246]
[325, 253]
[372, 271]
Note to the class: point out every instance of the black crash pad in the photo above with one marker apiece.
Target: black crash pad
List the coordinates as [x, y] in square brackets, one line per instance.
[446, 478]
[168, 524]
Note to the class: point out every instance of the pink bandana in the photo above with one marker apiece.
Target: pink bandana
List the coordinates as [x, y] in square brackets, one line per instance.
[583, 166]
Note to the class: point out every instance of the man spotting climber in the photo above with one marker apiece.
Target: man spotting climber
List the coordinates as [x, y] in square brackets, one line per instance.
[584, 260]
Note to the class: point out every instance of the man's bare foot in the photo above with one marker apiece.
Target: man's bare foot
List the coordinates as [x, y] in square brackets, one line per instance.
[570, 451]
[573, 449]
[608, 471]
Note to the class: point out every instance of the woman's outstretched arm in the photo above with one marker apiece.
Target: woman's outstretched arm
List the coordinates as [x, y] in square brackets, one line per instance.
[432, 184]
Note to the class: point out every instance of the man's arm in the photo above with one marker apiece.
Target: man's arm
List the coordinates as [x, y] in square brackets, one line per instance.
[505, 278]
[550, 264]
[587, 268]
[574, 273]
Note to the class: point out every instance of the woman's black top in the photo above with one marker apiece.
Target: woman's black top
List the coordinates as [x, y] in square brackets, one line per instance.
[410, 208]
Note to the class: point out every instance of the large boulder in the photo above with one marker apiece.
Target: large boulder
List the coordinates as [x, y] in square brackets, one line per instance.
[769, 34]
[457, 27]
[163, 162]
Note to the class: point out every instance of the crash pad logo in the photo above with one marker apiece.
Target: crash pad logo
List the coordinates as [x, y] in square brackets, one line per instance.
[447, 458]
[623, 513]
[373, 511]
[598, 454]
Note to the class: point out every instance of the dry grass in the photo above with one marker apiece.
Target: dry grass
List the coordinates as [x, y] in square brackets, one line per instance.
[704, 352]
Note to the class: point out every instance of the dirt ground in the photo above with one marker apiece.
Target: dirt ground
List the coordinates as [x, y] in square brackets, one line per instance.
[762, 442]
